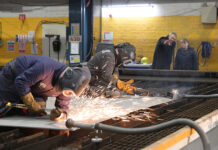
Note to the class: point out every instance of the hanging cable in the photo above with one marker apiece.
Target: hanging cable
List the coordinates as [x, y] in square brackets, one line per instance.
[46, 21]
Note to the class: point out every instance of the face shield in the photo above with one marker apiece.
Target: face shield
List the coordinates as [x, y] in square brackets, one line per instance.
[126, 51]
[74, 81]
[125, 56]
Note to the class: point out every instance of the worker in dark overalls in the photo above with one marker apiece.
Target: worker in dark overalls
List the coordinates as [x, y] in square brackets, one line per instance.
[164, 51]
[31, 79]
[103, 69]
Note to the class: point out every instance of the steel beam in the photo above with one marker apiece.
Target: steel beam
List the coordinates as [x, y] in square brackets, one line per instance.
[170, 79]
[167, 73]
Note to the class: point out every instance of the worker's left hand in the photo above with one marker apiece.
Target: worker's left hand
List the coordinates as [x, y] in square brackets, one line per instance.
[58, 115]
[31, 104]
[126, 86]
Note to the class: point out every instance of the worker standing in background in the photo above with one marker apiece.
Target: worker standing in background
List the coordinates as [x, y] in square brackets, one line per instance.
[31, 79]
[186, 57]
[164, 52]
[102, 67]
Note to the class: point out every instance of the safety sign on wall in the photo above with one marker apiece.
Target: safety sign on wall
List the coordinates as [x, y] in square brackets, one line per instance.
[74, 58]
[22, 46]
[74, 48]
[75, 29]
[10, 45]
[75, 40]
[34, 49]
[108, 37]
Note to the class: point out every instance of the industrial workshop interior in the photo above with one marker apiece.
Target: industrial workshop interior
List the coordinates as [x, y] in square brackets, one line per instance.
[108, 75]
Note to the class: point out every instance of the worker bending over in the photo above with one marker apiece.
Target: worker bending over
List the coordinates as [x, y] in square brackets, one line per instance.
[102, 67]
[31, 79]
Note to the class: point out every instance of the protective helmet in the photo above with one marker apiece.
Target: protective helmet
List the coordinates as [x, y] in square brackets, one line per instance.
[126, 52]
[75, 79]
[144, 60]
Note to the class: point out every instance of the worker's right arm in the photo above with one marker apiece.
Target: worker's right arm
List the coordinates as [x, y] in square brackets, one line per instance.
[29, 77]
[25, 80]
[107, 69]
[62, 108]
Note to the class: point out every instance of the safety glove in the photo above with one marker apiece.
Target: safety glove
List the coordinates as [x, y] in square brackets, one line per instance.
[58, 114]
[125, 86]
[42, 104]
[31, 104]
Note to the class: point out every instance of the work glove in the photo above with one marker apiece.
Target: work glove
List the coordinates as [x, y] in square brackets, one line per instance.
[58, 114]
[31, 104]
[125, 86]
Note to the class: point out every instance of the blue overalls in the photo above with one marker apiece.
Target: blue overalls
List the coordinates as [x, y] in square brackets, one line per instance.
[31, 73]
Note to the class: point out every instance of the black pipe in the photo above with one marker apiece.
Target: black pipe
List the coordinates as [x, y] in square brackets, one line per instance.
[206, 144]
[101, 4]
[201, 96]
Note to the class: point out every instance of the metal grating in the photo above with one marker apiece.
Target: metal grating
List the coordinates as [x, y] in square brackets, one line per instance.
[141, 141]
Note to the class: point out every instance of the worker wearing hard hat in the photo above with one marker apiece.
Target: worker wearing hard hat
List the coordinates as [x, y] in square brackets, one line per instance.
[102, 67]
[186, 57]
[164, 52]
[30, 80]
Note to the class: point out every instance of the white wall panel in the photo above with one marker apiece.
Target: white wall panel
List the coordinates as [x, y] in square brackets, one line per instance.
[121, 8]
[36, 11]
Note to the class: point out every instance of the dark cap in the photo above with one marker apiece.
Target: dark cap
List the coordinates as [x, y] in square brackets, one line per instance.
[75, 79]
[126, 51]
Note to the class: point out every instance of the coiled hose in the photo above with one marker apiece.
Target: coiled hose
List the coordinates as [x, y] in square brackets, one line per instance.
[206, 144]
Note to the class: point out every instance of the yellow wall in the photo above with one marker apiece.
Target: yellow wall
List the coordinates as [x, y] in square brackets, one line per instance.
[144, 33]
[12, 26]
[96, 32]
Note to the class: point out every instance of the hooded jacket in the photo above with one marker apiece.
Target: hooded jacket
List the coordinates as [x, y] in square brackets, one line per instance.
[186, 59]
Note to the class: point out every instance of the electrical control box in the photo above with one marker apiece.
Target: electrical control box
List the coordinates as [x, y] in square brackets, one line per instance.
[208, 14]
[206, 49]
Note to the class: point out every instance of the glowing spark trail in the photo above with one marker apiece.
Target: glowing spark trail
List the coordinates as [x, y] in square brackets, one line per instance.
[99, 109]
[93, 110]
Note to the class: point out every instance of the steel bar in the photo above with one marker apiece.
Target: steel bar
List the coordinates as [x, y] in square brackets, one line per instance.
[5, 136]
[168, 73]
[42, 122]
[170, 79]
[49, 143]
[22, 141]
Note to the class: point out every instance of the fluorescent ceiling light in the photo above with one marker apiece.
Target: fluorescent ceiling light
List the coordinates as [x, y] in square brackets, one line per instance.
[147, 10]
